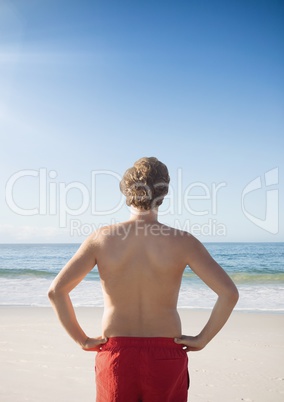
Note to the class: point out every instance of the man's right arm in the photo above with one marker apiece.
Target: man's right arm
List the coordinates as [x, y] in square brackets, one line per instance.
[210, 272]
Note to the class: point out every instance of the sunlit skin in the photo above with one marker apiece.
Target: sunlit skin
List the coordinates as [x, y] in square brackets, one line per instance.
[141, 263]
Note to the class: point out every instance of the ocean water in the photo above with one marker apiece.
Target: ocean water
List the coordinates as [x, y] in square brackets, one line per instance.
[26, 271]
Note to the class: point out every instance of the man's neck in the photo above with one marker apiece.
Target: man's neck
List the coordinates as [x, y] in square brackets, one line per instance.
[150, 216]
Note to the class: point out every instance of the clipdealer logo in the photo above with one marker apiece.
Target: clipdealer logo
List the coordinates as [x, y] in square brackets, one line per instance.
[53, 198]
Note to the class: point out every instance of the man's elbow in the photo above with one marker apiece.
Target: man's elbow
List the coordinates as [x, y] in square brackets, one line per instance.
[230, 295]
[233, 295]
[53, 292]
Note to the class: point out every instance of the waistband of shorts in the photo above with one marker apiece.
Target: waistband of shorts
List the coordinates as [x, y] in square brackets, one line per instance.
[141, 341]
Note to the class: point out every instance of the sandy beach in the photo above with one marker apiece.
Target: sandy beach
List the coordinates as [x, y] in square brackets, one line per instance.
[40, 363]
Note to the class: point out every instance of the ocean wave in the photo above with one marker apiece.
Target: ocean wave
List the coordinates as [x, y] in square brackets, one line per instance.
[24, 273]
[246, 277]
[259, 278]
[188, 276]
[19, 273]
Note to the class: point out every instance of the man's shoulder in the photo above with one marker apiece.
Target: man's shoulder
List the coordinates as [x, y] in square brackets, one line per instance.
[108, 232]
[175, 232]
[184, 239]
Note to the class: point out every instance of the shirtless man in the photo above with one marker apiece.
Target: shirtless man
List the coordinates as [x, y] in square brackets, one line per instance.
[142, 352]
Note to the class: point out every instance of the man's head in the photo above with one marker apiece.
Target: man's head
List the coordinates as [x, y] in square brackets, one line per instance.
[145, 184]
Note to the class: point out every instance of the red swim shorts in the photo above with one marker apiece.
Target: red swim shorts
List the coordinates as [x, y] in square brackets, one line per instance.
[131, 369]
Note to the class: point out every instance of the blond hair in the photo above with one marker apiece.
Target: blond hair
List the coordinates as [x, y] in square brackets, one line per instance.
[145, 184]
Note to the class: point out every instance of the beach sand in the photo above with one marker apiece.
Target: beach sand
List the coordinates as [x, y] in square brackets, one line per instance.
[40, 363]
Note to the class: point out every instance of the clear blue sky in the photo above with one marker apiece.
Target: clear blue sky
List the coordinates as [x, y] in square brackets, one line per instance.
[94, 85]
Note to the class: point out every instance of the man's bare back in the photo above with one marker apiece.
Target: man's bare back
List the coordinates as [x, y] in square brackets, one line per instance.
[141, 265]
